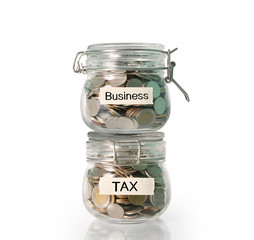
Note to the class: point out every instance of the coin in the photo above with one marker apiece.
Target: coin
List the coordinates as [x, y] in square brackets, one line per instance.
[137, 199]
[149, 211]
[146, 117]
[118, 79]
[124, 123]
[98, 81]
[100, 200]
[133, 210]
[115, 211]
[101, 210]
[122, 201]
[160, 105]
[158, 199]
[135, 123]
[92, 107]
[140, 167]
[154, 171]
[122, 196]
[96, 172]
[159, 180]
[139, 175]
[111, 123]
[134, 82]
[156, 88]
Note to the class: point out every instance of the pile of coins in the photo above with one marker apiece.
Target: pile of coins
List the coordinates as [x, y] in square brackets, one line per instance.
[126, 117]
[125, 206]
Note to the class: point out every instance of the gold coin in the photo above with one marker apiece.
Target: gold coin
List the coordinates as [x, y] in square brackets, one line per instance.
[137, 199]
[100, 200]
[122, 201]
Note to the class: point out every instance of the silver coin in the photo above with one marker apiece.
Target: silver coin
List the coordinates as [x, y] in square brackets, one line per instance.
[92, 107]
[135, 123]
[125, 123]
[98, 81]
[113, 112]
[118, 80]
[104, 114]
[111, 123]
[115, 211]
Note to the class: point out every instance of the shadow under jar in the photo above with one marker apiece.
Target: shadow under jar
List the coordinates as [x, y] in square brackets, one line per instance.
[126, 88]
[126, 179]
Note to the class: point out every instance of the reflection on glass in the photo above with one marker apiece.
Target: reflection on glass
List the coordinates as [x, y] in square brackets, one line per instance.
[155, 230]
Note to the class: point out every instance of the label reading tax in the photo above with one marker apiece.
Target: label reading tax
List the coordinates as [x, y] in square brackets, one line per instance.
[126, 186]
[126, 95]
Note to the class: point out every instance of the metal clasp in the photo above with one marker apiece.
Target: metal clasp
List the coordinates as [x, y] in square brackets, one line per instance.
[170, 70]
[116, 161]
[77, 65]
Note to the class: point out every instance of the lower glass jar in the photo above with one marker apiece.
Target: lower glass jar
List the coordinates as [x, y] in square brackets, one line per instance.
[126, 180]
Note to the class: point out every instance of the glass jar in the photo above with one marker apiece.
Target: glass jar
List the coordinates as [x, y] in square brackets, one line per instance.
[125, 90]
[126, 179]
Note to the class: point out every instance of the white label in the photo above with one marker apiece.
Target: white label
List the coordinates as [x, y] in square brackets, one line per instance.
[126, 186]
[126, 95]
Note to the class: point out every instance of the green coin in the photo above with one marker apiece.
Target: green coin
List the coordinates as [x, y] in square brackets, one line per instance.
[154, 171]
[159, 180]
[134, 82]
[137, 199]
[140, 167]
[139, 175]
[95, 172]
[158, 199]
[156, 88]
[160, 106]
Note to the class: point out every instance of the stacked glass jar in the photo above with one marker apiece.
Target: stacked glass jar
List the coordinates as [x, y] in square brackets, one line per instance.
[125, 100]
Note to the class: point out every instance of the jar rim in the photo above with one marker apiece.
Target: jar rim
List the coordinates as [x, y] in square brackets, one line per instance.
[125, 149]
[126, 45]
[147, 136]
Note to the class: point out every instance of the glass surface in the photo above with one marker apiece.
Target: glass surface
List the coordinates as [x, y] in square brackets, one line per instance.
[126, 180]
[126, 208]
[125, 91]
[131, 116]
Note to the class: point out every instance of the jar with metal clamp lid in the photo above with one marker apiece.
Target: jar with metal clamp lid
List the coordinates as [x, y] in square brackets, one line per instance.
[126, 88]
[126, 179]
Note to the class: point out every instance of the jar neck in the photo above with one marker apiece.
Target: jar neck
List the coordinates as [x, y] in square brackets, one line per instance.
[121, 149]
[114, 162]
[126, 56]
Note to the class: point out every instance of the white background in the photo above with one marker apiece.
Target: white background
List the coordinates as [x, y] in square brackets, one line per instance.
[209, 140]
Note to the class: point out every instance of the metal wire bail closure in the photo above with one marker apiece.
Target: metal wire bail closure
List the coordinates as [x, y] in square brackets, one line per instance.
[169, 78]
[79, 68]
